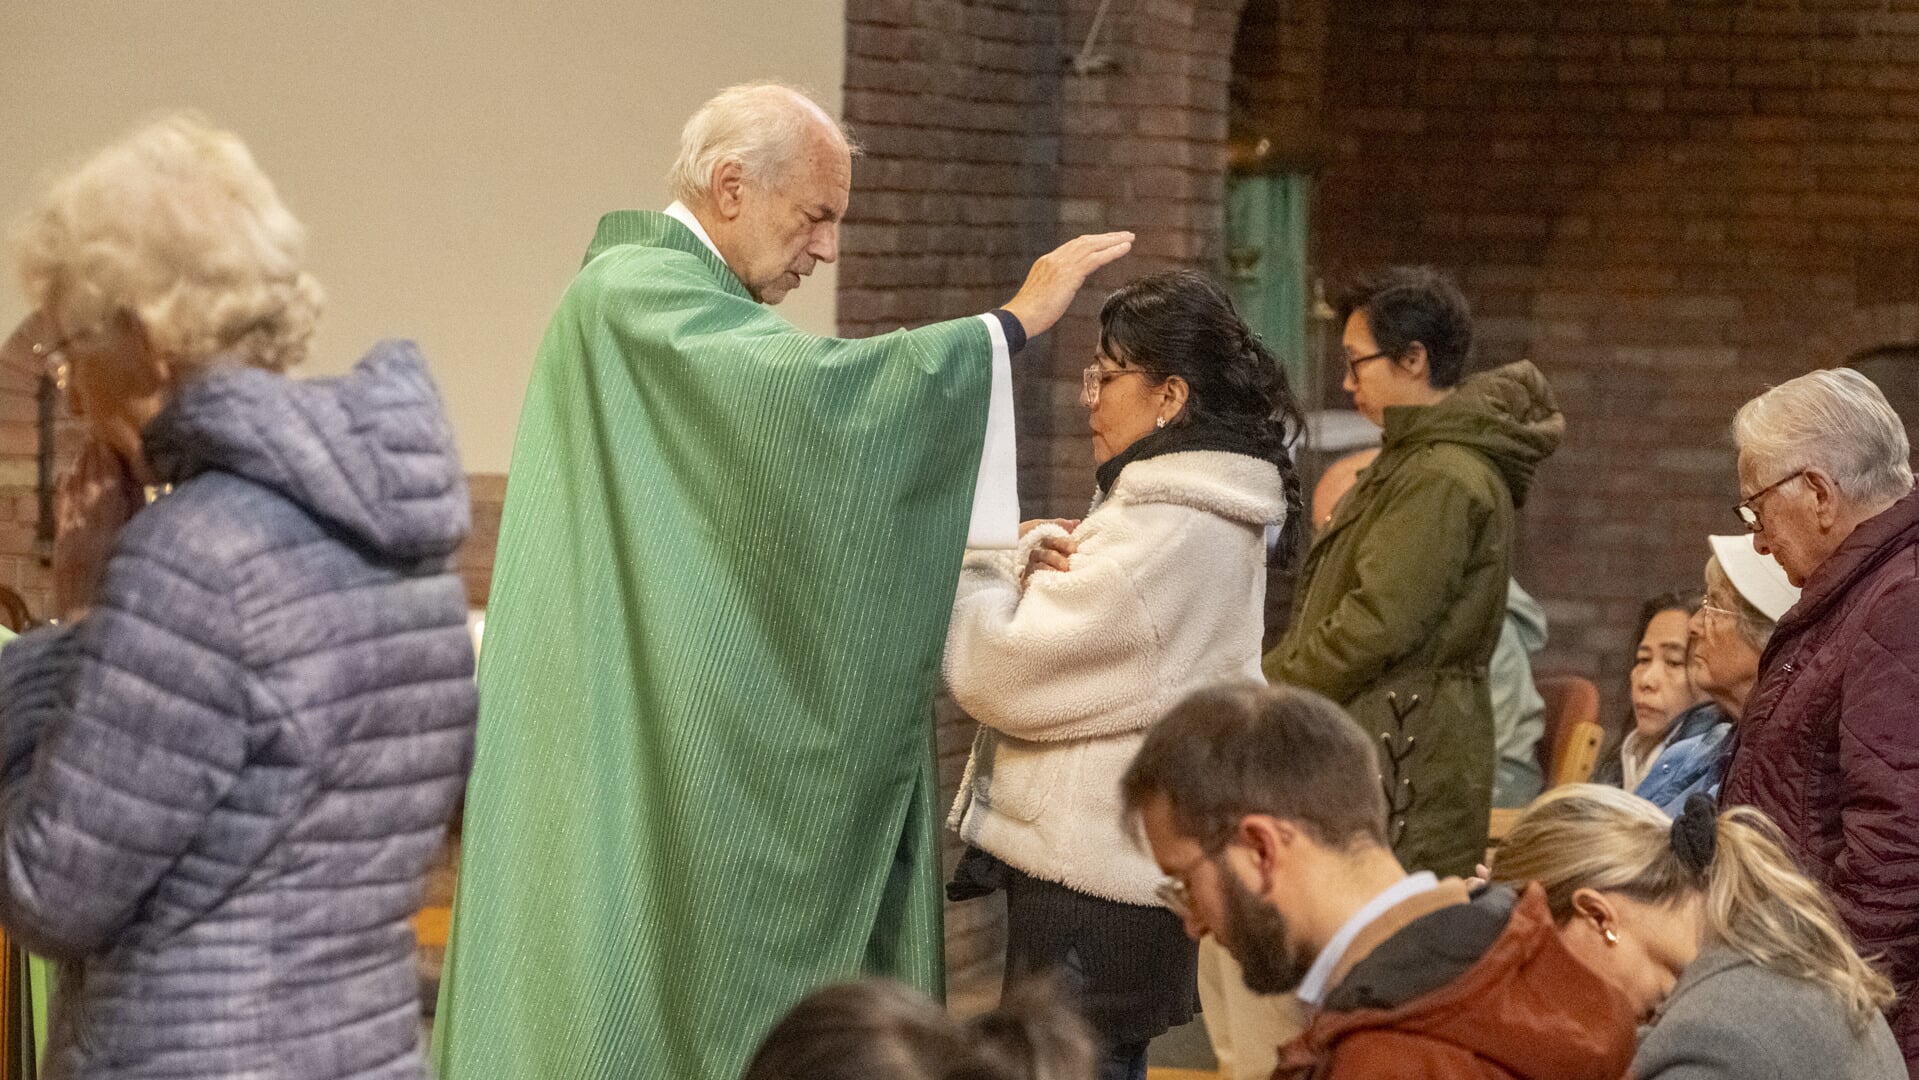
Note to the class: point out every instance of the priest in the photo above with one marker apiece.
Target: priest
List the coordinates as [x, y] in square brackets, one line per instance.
[705, 781]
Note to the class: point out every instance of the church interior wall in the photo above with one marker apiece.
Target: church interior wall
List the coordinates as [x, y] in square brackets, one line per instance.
[1668, 207]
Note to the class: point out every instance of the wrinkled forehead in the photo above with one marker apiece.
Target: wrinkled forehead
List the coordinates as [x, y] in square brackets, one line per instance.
[822, 178]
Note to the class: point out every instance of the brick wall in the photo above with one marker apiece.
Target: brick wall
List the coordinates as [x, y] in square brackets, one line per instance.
[1667, 206]
[20, 567]
[475, 559]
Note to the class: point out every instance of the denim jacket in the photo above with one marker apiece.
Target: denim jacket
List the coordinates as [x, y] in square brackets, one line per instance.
[1693, 760]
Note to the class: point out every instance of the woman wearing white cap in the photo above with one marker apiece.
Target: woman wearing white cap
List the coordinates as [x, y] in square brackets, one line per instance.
[1746, 593]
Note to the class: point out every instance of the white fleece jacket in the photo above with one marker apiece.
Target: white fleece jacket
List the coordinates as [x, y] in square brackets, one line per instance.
[1165, 595]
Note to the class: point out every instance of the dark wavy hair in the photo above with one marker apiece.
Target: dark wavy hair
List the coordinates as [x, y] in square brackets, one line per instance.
[1180, 322]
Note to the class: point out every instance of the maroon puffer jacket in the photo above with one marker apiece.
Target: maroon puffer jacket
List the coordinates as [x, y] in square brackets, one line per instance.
[1829, 743]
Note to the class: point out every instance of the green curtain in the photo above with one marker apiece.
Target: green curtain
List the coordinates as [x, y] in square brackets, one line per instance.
[1266, 221]
[29, 989]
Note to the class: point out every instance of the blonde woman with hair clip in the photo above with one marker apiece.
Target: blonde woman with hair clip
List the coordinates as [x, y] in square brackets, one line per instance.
[1736, 959]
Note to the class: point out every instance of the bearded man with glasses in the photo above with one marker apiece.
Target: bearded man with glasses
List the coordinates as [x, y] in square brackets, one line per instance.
[1827, 746]
[1262, 807]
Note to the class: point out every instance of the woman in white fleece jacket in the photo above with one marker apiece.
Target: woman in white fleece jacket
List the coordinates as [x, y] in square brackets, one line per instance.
[1067, 649]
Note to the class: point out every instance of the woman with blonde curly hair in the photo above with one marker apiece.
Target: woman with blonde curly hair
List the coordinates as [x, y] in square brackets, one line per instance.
[223, 775]
[1736, 958]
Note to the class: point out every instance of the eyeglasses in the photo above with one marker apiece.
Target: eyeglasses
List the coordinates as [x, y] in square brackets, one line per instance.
[1173, 891]
[1715, 609]
[1748, 508]
[1352, 365]
[1177, 896]
[1095, 377]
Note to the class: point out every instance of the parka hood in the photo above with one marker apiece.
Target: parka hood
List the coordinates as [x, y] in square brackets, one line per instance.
[1508, 414]
[370, 452]
[1491, 977]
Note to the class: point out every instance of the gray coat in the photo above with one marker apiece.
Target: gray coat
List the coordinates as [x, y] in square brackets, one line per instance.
[220, 789]
[1730, 1019]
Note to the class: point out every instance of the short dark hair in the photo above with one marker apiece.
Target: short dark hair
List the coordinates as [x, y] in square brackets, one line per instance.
[1407, 305]
[1229, 751]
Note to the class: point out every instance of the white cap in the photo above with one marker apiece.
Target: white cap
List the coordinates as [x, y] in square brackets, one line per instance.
[1759, 578]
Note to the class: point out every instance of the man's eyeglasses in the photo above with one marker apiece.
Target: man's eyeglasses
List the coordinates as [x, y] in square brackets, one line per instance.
[1177, 896]
[1173, 891]
[1748, 508]
[1095, 377]
[1352, 363]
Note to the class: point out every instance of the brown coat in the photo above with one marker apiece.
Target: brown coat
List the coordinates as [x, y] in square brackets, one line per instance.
[1526, 1008]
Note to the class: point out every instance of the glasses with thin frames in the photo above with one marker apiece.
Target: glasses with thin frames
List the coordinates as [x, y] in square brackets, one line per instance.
[1715, 609]
[1748, 508]
[1173, 891]
[1352, 365]
[1095, 377]
[1177, 896]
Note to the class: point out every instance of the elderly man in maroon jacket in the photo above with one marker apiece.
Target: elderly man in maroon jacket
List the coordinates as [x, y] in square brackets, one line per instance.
[1829, 743]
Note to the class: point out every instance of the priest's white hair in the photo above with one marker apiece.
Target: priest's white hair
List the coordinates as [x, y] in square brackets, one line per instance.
[175, 225]
[1834, 420]
[761, 125]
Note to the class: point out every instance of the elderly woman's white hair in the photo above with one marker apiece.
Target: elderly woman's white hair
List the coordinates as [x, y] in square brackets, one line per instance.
[1753, 626]
[177, 226]
[761, 125]
[1836, 421]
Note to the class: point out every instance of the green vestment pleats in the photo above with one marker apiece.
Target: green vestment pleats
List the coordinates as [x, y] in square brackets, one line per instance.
[704, 782]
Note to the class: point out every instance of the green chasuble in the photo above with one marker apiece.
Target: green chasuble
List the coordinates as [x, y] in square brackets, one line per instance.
[705, 781]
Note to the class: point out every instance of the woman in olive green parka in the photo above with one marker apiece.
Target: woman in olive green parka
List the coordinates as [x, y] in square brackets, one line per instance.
[1402, 594]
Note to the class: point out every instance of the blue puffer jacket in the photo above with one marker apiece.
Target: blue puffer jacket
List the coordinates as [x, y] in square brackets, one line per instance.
[223, 786]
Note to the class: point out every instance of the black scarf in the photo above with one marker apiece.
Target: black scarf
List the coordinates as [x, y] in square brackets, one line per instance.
[1179, 438]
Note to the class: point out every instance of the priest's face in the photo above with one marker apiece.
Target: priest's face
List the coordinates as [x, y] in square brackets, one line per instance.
[791, 224]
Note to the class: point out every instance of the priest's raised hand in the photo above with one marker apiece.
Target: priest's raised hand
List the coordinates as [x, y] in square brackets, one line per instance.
[1058, 276]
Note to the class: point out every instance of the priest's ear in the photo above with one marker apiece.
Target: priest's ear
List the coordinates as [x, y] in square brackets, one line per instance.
[729, 187]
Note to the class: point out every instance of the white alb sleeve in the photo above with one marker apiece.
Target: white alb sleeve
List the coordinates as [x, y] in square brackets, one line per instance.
[995, 522]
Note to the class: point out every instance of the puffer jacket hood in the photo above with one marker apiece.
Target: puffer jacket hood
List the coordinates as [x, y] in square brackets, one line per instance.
[1507, 414]
[1485, 990]
[358, 451]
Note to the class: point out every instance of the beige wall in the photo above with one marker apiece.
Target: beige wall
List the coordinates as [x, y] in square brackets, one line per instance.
[449, 159]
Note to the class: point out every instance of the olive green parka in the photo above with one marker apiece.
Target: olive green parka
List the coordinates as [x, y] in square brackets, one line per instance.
[1401, 597]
